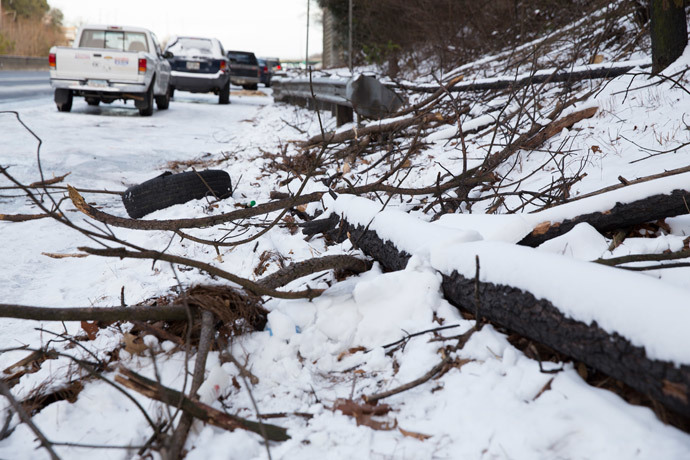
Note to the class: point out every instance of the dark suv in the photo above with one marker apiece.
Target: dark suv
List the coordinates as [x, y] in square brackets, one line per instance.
[244, 69]
[199, 65]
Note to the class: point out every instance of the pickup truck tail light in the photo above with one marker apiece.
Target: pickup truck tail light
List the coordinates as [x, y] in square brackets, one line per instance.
[278, 67]
[222, 65]
[52, 61]
[142, 66]
[265, 69]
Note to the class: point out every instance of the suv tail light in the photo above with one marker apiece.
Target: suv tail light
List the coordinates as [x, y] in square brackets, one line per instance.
[278, 67]
[266, 69]
[222, 65]
[142, 65]
[52, 61]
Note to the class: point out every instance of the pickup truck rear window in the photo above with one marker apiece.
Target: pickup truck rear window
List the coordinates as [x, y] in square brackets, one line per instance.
[242, 58]
[114, 40]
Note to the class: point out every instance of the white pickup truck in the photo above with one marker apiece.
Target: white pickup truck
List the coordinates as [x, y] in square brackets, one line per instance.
[107, 63]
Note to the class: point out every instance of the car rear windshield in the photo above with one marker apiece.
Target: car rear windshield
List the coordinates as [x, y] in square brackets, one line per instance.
[242, 58]
[114, 40]
[191, 47]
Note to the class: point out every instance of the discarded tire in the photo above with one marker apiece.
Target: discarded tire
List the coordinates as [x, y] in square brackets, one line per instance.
[170, 189]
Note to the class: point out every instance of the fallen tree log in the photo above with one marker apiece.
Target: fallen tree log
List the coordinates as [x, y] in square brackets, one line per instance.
[621, 216]
[542, 76]
[105, 314]
[541, 321]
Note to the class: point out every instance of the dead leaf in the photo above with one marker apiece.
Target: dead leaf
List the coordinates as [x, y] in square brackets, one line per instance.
[597, 59]
[133, 344]
[675, 390]
[350, 407]
[350, 351]
[412, 434]
[364, 413]
[290, 224]
[595, 149]
[346, 168]
[91, 329]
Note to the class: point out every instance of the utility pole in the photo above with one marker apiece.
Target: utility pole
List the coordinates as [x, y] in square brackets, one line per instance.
[306, 57]
[349, 38]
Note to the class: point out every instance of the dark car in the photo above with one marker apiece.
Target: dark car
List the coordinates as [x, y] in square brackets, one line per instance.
[265, 72]
[244, 69]
[199, 65]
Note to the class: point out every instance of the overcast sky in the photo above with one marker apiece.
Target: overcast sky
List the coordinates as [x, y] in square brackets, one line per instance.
[270, 28]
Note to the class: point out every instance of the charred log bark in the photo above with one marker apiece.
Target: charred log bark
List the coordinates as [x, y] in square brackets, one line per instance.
[543, 322]
[620, 216]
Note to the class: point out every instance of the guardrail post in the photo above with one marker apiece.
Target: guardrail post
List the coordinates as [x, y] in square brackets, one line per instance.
[343, 114]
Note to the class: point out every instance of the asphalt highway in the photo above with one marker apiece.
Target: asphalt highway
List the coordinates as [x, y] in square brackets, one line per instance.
[24, 84]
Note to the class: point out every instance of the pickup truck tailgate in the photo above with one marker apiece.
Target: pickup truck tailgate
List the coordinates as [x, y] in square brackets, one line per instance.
[96, 64]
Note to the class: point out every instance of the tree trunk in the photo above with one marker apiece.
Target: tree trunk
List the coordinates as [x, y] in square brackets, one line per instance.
[668, 31]
[621, 216]
[543, 322]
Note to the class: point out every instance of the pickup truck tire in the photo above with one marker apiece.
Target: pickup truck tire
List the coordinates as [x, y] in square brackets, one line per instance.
[224, 94]
[146, 107]
[170, 189]
[163, 102]
[63, 100]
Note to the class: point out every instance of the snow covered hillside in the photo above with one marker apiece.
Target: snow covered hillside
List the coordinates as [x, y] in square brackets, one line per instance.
[367, 363]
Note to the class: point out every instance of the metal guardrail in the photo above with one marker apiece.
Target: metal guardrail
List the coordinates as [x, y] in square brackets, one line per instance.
[23, 63]
[362, 94]
[374, 99]
[328, 94]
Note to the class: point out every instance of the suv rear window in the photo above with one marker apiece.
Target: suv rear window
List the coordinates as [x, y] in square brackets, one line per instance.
[242, 58]
[114, 40]
[189, 46]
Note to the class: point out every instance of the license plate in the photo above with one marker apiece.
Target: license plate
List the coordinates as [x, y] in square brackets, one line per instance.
[193, 65]
[97, 83]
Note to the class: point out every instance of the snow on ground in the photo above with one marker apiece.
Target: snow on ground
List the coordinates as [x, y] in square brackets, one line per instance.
[494, 403]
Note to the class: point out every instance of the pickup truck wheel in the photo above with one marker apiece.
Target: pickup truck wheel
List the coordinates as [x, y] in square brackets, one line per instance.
[170, 189]
[163, 102]
[63, 100]
[92, 101]
[224, 94]
[147, 109]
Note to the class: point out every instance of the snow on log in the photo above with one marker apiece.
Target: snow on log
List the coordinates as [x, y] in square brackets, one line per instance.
[621, 216]
[630, 326]
[585, 72]
[634, 204]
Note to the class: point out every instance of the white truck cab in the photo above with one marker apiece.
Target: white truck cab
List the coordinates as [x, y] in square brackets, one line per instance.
[107, 63]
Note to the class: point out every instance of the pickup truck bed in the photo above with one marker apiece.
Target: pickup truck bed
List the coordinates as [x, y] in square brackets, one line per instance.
[111, 63]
